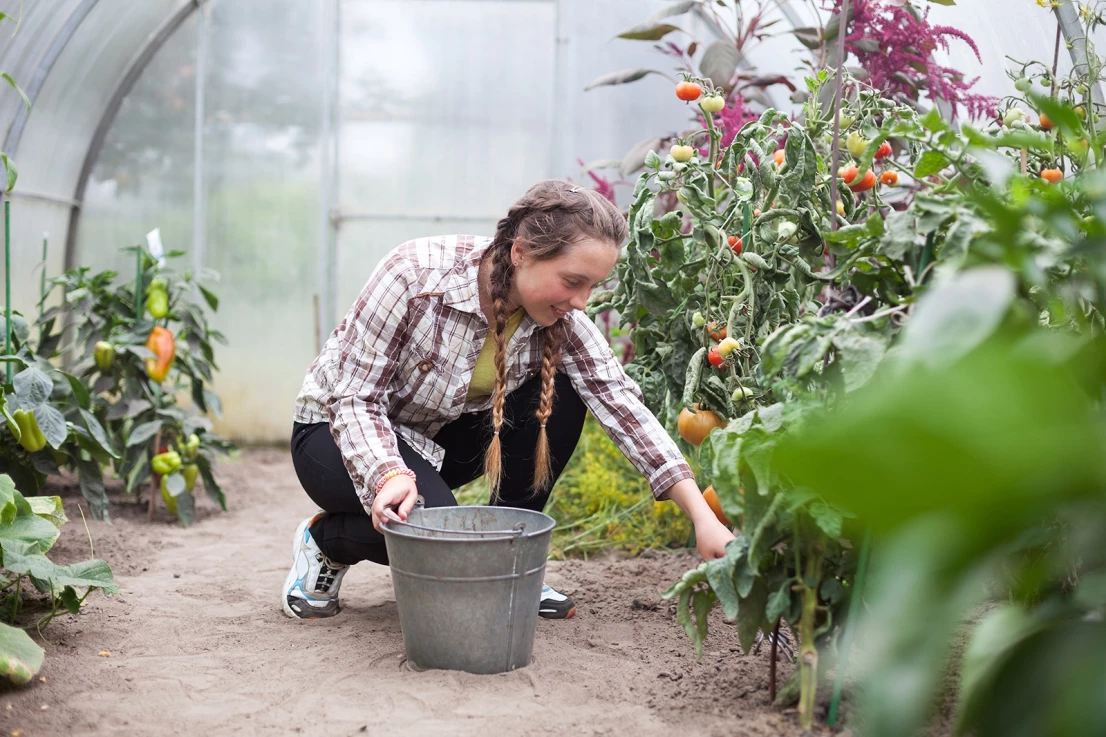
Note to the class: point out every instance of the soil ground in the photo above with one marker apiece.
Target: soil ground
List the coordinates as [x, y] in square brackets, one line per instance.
[199, 645]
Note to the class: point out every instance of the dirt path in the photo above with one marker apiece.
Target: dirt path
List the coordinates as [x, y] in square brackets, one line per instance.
[199, 644]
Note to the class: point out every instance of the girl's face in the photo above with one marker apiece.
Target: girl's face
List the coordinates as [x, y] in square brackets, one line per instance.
[552, 288]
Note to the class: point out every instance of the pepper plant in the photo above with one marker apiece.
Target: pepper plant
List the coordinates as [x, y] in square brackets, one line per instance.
[141, 344]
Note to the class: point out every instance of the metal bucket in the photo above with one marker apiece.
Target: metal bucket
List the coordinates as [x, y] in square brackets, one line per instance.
[468, 584]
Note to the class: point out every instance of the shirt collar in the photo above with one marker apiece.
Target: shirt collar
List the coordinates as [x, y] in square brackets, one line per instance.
[462, 288]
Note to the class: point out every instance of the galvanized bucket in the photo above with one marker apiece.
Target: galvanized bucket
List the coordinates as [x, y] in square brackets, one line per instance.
[468, 583]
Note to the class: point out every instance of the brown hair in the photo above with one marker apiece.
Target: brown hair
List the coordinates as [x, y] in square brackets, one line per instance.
[550, 217]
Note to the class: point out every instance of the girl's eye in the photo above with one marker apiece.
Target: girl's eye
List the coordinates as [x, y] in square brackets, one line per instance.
[572, 284]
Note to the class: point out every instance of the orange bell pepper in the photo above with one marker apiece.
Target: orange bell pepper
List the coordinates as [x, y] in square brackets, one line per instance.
[164, 347]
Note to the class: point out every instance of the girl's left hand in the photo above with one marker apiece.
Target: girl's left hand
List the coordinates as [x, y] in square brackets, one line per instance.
[711, 538]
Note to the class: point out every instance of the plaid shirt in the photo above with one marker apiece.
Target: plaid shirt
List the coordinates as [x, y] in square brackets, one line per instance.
[400, 361]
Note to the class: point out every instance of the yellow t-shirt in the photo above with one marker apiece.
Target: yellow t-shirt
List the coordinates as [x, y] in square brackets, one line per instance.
[483, 374]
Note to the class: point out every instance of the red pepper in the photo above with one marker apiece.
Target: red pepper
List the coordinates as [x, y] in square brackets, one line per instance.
[163, 346]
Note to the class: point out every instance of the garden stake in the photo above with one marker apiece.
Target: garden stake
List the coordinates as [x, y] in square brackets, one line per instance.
[42, 286]
[8, 285]
[850, 626]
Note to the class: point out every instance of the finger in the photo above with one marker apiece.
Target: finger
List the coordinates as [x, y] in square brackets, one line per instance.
[408, 503]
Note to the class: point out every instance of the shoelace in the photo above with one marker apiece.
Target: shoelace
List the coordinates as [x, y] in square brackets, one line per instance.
[327, 573]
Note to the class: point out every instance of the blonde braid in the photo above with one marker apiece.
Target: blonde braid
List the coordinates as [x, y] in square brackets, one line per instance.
[500, 279]
[552, 337]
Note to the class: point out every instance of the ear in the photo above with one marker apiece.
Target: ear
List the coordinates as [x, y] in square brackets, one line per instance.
[518, 256]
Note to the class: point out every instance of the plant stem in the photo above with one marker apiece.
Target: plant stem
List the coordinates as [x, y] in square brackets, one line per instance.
[153, 480]
[8, 285]
[855, 602]
[808, 654]
[713, 151]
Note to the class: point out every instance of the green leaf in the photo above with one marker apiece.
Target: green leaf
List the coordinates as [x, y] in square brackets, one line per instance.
[901, 234]
[97, 431]
[209, 297]
[49, 508]
[929, 164]
[859, 355]
[70, 600]
[20, 657]
[25, 559]
[623, 76]
[750, 619]
[53, 424]
[771, 417]
[29, 528]
[828, 519]
[10, 172]
[80, 391]
[1061, 113]
[174, 484]
[778, 603]
[649, 31]
[91, 480]
[953, 318]
[702, 603]
[720, 574]
[142, 433]
[32, 387]
[10, 80]
[8, 494]
[186, 508]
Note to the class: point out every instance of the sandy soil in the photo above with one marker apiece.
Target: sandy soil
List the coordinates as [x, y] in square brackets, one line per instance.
[199, 645]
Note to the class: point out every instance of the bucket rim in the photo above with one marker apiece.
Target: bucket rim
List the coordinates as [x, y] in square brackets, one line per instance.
[547, 525]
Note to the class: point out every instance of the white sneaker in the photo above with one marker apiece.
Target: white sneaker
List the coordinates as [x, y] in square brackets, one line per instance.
[555, 605]
[311, 588]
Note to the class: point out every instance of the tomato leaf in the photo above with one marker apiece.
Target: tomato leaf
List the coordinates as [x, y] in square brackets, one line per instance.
[930, 163]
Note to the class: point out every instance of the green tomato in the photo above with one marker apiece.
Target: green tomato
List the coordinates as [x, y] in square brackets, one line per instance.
[1023, 84]
[712, 104]
[698, 320]
[682, 153]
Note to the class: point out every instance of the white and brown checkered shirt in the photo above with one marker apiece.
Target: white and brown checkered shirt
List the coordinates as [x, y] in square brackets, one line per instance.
[400, 361]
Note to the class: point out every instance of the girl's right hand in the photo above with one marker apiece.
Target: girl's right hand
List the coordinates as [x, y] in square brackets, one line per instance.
[398, 492]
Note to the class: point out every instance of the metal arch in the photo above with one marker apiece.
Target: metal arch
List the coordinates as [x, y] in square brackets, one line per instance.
[126, 83]
[57, 45]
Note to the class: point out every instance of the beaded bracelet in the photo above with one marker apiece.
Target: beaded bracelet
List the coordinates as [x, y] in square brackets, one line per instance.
[388, 476]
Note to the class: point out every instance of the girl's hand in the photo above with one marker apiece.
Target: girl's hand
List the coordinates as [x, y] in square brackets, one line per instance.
[398, 492]
[711, 537]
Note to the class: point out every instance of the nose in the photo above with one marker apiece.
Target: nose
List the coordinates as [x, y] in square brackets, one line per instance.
[579, 301]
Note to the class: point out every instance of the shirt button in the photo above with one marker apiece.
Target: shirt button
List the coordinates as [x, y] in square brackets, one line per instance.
[425, 365]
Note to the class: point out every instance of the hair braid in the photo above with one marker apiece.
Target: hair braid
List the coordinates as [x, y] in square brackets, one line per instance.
[552, 339]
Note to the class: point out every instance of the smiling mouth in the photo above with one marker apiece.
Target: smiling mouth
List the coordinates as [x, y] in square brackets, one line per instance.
[558, 313]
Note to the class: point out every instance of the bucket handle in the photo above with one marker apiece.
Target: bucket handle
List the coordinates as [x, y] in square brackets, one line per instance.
[515, 531]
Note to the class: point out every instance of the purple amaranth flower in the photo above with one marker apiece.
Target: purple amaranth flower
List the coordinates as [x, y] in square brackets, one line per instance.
[902, 62]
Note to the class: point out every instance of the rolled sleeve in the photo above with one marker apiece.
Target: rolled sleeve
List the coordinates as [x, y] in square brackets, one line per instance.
[358, 373]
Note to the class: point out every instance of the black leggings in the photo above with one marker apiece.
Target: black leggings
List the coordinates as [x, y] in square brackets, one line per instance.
[345, 534]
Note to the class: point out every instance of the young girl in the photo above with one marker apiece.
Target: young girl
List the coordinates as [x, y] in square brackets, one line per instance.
[465, 356]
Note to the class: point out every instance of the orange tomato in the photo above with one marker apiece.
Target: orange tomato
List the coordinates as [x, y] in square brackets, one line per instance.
[1052, 176]
[890, 178]
[711, 498]
[716, 333]
[695, 426]
[778, 156]
[1046, 122]
[866, 182]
